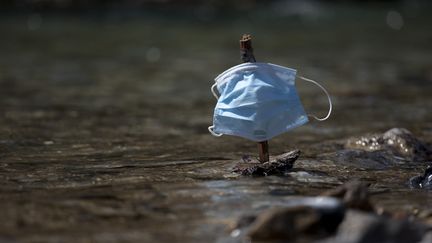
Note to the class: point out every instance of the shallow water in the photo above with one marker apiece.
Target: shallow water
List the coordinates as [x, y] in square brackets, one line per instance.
[103, 123]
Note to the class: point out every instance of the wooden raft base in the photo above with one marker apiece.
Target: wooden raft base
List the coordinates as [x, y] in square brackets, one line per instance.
[276, 166]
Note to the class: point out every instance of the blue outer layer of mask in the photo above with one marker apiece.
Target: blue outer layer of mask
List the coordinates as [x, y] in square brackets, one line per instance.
[257, 101]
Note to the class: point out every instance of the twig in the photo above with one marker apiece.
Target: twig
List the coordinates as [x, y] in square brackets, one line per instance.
[246, 54]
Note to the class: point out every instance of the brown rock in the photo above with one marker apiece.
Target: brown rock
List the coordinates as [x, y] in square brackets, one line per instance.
[354, 195]
[277, 165]
[295, 223]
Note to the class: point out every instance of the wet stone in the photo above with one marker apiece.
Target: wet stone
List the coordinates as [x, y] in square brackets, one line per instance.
[397, 141]
[361, 227]
[333, 217]
[422, 181]
[425, 216]
[306, 219]
[427, 238]
[397, 146]
[354, 194]
[276, 166]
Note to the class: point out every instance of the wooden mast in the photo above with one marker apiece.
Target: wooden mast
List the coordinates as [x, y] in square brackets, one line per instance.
[246, 53]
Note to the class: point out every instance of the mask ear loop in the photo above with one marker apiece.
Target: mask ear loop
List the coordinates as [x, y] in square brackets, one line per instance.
[210, 128]
[213, 90]
[328, 97]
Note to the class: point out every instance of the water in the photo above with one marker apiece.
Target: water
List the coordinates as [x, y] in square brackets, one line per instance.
[103, 123]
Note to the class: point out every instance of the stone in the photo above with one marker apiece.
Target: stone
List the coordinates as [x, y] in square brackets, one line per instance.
[306, 219]
[276, 166]
[397, 146]
[427, 238]
[361, 227]
[354, 194]
[398, 142]
[422, 181]
[403, 143]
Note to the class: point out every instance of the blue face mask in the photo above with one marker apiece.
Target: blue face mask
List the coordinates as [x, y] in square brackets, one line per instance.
[258, 101]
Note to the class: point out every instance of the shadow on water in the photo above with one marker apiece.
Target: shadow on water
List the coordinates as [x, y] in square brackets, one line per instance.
[103, 124]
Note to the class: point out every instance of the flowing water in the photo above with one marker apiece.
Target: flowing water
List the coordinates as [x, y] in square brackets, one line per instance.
[103, 117]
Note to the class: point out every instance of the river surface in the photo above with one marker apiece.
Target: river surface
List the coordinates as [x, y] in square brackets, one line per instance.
[103, 118]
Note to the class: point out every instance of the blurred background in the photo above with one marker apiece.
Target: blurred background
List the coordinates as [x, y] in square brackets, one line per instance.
[141, 70]
[85, 85]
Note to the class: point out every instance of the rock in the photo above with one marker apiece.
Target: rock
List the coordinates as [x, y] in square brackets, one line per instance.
[397, 141]
[354, 195]
[422, 181]
[276, 166]
[405, 144]
[397, 146]
[244, 221]
[309, 218]
[427, 238]
[324, 219]
[361, 227]
[285, 223]
[425, 216]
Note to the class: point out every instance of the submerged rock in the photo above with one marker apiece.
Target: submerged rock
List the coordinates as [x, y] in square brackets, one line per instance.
[277, 165]
[422, 181]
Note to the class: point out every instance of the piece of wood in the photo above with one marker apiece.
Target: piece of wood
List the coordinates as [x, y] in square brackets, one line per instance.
[263, 150]
[278, 165]
[246, 54]
[246, 50]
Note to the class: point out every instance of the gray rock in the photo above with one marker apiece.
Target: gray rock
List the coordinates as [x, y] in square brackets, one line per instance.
[311, 218]
[402, 142]
[396, 146]
[360, 227]
[422, 181]
[427, 238]
[397, 141]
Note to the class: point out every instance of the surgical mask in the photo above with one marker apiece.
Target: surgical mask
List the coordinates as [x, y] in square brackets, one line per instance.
[258, 101]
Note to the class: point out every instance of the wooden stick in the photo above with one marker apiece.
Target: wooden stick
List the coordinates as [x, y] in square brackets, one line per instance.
[246, 50]
[263, 150]
[246, 53]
